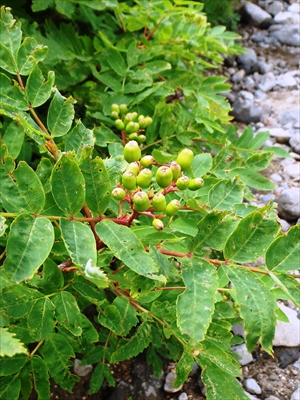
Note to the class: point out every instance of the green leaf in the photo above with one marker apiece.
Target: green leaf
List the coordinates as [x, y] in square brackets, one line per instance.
[284, 253]
[10, 388]
[97, 183]
[40, 5]
[183, 367]
[40, 377]
[258, 161]
[67, 312]
[9, 345]
[29, 54]
[111, 318]
[224, 194]
[79, 240]
[90, 293]
[278, 151]
[11, 97]
[252, 179]
[13, 138]
[252, 236]
[107, 80]
[251, 293]
[56, 352]
[287, 284]
[214, 230]
[258, 140]
[60, 115]
[16, 301]
[78, 138]
[11, 36]
[50, 279]
[101, 372]
[127, 312]
[201, 164]
[104, 136]
[116, 61]
[95, 275]
[67, 184]
[216, 379]
[21, 189]
[37, 89]
[195, 305]
[3, 225]
[29, 244]
[156, 67]
[185, 226]
[127, 247]
[41, 319]
[133, 346]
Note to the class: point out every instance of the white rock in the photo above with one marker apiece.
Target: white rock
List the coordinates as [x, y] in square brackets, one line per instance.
[286, 80]
[287, 34]
[268, 81]
[168, 386]
[255, 13]
[287, 333]
[251, 397]
[286, 17]
[272, 398]
[285, 226]
[295, 142]
[81, 370]
[252, 386]
[296, 394]
[183, 396]
[290, 116]
[289, 203]
[293, 170]
[281, 135]
[275, 7]
[276, 178]
[242, 351]
[297, 363]
[294, 8]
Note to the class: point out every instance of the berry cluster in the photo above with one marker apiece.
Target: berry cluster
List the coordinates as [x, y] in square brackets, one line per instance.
[130, 123]
[143, 173]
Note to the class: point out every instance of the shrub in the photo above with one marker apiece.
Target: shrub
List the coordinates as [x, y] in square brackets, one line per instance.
[173, 289]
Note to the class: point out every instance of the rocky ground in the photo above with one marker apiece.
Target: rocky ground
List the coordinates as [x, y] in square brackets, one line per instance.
[265, 93]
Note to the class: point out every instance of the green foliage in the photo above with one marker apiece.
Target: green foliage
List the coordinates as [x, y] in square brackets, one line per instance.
[66, 242]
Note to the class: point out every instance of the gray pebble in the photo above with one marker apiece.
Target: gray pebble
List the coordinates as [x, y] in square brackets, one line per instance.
[252, 386]
[168, 386]
[289, 203]
[242, 351]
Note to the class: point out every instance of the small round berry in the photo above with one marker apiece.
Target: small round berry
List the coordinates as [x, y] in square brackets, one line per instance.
[196, 183]
[129, 180]
[173, 207]
[132, 152]
[158, 224]
[141, 201]
[118, 193]
[159, 202]
[164, 176]
[144, 178]
[185, 158]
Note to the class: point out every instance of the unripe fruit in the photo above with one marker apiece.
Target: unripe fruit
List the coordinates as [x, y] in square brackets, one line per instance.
[141, 201]
[115, 107]
[141, 139]
[132, 152]
[144, 178]
[133, 167]
[141, 117]
[132, 127]
[123, 109]
[129, 180]
[173, 207]
[118, 193]
[127, 118]
[133, 136]
[119, 124]
[164, 176]
[142, 123]
[114, 115]
[185, 158]
[176, 169]
[158, 224]
[196, 183]
[146, 161]
[148, 121]
[134, 115]
[182, 182]
[159, 202]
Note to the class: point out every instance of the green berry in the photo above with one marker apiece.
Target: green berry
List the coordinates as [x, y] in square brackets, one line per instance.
[127, 118]
[134, 115]
[133, 167]
[172, 208]
[129, 180]
[159, 202]
[132, 152]
[115, 107]
[185, 158]
[158, 224]
[148, 121]
[144, 178]
[146, 161]
[123, 109]
[141, 201]
[176, 169]
[143, 123]
[141, 117]
[119, 124]
[182, 182]
[114, 115]
[133, 136]
[118, 193]
[132, 127]
[141, 139]
[196, 183]
[164, 176]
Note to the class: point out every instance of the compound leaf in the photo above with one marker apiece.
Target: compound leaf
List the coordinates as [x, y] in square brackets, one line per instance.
[67, 184]
[10, 387]
[284, 253]
[195, 305]
[224, 194]
[41, 319]
[60, 115]
[40, 377]
[127, 247]
[38, 90]
[29, 244]
[79, 240]
[67, 312]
